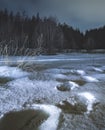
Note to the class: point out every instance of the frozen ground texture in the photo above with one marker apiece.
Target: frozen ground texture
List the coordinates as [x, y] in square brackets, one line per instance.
[70, 88]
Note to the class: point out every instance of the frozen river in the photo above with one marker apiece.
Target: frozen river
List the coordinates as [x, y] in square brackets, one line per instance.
[60, 92]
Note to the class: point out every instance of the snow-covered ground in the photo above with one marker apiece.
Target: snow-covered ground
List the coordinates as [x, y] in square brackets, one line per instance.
[73, 75]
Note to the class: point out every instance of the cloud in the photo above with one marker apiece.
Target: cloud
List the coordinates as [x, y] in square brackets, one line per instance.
[90, 11]
[79, 13]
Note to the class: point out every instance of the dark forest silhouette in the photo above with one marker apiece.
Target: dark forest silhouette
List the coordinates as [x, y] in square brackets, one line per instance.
[20, 34]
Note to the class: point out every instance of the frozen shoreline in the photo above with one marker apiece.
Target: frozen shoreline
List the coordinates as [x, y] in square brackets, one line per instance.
[78, 80]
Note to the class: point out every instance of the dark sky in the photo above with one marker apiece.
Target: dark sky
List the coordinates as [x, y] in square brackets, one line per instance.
[82, 14]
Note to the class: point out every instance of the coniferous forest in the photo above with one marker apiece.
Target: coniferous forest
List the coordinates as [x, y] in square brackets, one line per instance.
[20, 34]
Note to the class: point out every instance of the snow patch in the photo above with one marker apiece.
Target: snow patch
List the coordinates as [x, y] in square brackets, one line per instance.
[90, 79]
[12, 72]
[60, 76]
[90, 100]
[80, 72]
[24, 90]
[53, 120]
[97, 69]
[73, 85]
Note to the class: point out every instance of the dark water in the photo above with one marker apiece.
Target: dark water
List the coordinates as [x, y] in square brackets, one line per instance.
[23, 120]
[68, 89]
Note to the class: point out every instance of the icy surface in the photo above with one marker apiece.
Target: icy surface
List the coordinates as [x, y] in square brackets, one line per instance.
[85, 76]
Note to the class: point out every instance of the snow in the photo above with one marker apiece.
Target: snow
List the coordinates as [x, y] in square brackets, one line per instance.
[90, 100]
[54, 113]
[12, 72]
[60, 76]
[80, 72]
[88, 96]
[58, 71]
[97, 69]
[90, 79]
[24, 90]
[73, 85]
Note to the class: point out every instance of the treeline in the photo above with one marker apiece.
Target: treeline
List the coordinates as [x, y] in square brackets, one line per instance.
[20, 34]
